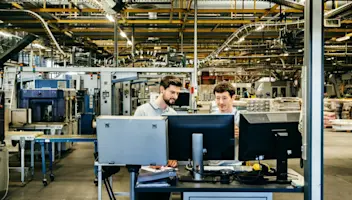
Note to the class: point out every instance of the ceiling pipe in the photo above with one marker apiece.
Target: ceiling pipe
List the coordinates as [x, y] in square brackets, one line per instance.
[338, 54]
[338, 11]
[45, 25]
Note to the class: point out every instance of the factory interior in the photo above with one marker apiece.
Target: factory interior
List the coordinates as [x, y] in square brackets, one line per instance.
[175, 99]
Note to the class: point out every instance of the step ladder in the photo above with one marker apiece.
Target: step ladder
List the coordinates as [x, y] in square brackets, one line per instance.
[9, 86]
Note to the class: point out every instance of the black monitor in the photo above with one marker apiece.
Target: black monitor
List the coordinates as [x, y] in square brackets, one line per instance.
[199, 137]
[265, 136]
[183, 99]
[217, 130]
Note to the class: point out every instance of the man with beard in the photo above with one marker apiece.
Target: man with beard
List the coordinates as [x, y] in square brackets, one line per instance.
[170, 87]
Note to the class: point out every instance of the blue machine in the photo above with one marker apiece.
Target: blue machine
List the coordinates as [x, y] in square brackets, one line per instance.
[47, 105]
[51, 83]
[88, 111]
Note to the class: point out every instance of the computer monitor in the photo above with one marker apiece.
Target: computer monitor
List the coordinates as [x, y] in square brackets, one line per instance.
[217, 135]
[217, 130]
[183, 99]
[267, 136]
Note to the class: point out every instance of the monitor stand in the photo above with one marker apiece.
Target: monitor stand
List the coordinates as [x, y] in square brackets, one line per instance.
[281, 158]
[197, 166]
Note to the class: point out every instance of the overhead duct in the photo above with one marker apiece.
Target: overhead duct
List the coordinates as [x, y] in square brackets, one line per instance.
[338, 11]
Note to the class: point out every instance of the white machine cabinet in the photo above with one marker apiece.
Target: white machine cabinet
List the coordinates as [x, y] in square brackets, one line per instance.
[227, 196]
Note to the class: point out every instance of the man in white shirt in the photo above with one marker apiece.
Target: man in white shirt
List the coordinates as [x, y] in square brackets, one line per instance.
[224, 96]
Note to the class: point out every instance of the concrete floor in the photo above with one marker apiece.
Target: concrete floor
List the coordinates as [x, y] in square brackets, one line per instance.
[74, 175]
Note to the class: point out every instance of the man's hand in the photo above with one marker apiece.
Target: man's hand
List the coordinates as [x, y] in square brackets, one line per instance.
[172, 163]
[237, 132]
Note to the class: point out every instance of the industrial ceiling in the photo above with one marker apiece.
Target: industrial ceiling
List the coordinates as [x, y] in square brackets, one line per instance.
[237, 33]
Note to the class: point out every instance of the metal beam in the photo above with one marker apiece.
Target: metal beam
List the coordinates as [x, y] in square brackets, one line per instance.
[313, 72]
[288, 3]
[172, 10]
[164, 30]
[17, 48]
[109, 69]
[129, 21]
[176, 10]
[267, 12]
[186, 16]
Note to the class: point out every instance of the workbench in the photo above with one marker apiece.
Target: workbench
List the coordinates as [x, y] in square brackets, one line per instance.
[232, 191]
[42, 126]
[59, 139]
[22, 137]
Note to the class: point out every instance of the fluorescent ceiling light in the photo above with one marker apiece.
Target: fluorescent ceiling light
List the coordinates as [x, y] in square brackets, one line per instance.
[261, 27]
[343, 38]
[39, 46]
[129, 42]
[241, 40]
[300, 50]
[285, 54]
[123, 34]
[268, 59]
[5, 34]
[110, 18]
[258, 61]
[227, 48]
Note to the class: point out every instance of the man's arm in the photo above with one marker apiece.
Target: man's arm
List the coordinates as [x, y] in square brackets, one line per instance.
[237, 124]
[139, 112]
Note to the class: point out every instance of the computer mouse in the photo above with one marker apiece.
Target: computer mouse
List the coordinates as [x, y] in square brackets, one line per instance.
[225, 176]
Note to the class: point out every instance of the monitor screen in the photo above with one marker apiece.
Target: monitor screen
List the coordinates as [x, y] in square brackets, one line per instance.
[259, 135]
[217, 130]
[183, 99]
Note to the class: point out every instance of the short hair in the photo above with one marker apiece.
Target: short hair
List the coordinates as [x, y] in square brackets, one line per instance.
[170, 80]
[225, 87]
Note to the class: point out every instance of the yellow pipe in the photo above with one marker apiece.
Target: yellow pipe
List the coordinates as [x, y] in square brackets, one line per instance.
[16, 5]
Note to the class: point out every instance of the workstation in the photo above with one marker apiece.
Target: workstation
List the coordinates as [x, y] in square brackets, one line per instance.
[175, 99]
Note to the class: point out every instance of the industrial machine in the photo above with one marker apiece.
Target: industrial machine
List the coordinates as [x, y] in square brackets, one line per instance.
[51, 105]
[47, 105]
[59, 84]
[88, 107]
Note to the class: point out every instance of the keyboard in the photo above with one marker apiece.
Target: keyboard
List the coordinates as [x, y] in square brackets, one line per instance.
[233, 168]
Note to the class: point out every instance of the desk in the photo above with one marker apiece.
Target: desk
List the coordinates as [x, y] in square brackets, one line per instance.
[22, 137]
[207, 190]
[59, 139]
[52, 126]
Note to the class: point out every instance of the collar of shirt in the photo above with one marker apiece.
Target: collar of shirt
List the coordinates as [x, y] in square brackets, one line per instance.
[156, 107]
[234, 111]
